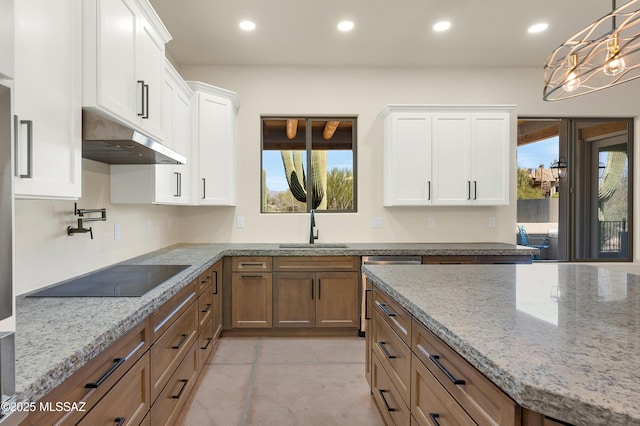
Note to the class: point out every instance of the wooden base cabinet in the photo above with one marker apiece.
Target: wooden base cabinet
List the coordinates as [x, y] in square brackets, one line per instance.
[251, 293]
[320, 299]
[393, 409]
[128, 401]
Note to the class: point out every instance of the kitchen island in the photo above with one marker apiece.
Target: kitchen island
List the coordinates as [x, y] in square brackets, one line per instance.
[57, 336]
[561, 340]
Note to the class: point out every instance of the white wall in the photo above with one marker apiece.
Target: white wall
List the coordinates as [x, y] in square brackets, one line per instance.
[45, 254]
[364, 92]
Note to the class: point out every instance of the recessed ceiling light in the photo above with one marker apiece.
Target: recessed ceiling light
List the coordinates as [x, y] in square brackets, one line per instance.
[537, 28]
[442, 26]
[345, 26]
[247, 25]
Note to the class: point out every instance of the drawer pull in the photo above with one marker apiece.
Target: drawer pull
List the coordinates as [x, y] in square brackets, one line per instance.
[319, 287]
[312, 288]
[184, 385]
[383, 348]
[383, 306]
[366, 303]
[118, 362]
[181, 342]
[260, 264]
[119, 421]
[436, 361]
[382, 392]
[204, 311]
[434, 418]
[209, 339]
[206, 279]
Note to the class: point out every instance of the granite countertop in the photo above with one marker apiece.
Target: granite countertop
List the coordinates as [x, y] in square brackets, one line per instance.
[57, 336]
[560, 339]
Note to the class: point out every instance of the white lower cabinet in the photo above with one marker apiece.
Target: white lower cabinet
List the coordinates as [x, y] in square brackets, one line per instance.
[214, 145]
[47, 100]
[446, 155]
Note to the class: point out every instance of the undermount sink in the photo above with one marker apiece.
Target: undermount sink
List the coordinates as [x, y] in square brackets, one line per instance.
[312, 246]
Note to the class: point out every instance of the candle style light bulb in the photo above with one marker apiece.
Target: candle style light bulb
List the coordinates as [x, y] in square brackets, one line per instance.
[615, 64]
[572, 81]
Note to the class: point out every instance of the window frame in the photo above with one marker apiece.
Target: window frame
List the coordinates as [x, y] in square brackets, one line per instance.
[308, 119]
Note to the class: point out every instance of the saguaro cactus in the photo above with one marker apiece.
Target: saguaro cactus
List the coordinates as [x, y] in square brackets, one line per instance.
[294, 170]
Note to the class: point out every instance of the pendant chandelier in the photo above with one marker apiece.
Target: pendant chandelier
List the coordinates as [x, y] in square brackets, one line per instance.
[604, 54]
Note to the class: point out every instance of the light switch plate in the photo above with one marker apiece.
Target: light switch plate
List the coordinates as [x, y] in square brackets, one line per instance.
[431, 222]
[116, 231]
[377, 222]
[492, 222]
[240, 222]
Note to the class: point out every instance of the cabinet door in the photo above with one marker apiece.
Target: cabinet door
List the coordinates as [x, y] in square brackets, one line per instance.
[149, 70]
[490, 158]
[294, 299]
[251, 300]
[216, 150]
[114, 82]
[407, 157]
[337, 299]
[452, 183]
[47, 99]
[6, 39]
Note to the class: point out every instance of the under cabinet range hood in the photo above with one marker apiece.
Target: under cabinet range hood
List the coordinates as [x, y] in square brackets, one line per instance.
[110, 142]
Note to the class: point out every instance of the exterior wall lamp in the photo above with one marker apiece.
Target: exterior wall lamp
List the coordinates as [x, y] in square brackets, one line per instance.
[559, 168]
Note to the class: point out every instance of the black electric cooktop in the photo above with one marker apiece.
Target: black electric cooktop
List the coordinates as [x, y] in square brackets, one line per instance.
[116, 281]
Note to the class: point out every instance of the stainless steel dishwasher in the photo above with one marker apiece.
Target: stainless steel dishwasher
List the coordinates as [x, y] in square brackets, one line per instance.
[381, 260]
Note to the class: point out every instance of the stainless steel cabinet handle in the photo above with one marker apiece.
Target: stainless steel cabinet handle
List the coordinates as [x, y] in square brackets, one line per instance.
[177, 194]
[16, 140]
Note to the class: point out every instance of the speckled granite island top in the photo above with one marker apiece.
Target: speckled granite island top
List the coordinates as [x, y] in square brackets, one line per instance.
[562, 340]
[57, 336]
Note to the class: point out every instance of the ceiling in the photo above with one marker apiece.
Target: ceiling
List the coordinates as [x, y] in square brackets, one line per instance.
[488, 33]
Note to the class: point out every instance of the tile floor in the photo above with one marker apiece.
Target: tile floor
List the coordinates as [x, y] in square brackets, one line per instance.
[283, 381]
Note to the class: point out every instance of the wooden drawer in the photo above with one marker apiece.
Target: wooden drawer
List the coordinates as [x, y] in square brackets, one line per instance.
[393, 314]
[483, 400]
[431, 404]
[316, 263]
[128, 402]
[205, 306]
[205, 343]
[205, 280]
[393, 354]
[167, 407]
[170, 348]
[248, 264]
[387, 398]
[92, 381]
[164, 316]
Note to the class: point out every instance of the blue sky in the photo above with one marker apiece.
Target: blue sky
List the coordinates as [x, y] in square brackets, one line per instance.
[276, 180]
[543, 152]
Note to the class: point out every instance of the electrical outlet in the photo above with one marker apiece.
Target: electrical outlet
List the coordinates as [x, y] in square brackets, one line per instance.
[431, 222]
[116, 231]
[377, 222]
[240, 222]
[492, 222]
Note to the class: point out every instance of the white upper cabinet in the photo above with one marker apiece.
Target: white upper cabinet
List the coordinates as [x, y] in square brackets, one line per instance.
[162, 183]
[47, 100]
[123, 62]
[407, 142]
[446, 155]
[6, 39]
[214, 145]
